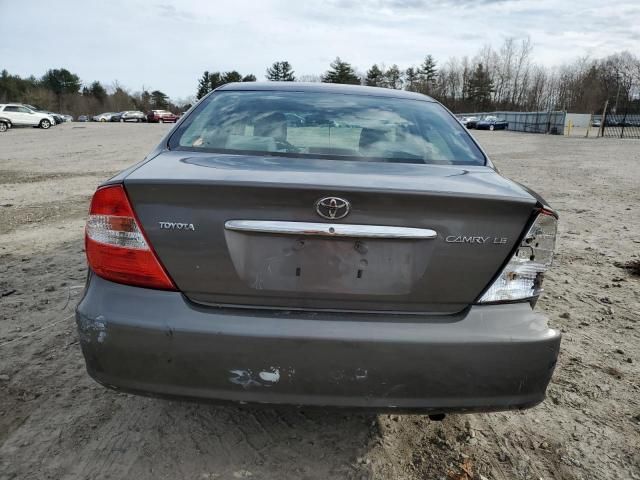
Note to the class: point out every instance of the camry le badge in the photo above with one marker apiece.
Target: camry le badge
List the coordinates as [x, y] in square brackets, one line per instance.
[333, 208]
[475, 239]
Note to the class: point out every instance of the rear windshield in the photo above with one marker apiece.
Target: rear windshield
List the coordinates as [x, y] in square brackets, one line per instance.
[327, 125]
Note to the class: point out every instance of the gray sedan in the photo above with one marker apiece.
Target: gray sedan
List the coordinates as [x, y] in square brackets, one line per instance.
[312, 244]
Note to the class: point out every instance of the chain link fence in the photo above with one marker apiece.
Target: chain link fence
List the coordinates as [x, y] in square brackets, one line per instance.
[530, 122]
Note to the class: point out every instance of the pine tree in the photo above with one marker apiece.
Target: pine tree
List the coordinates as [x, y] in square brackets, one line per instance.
[375, 77]
[280, 72]
[393, 77]
[216, 79]
[97, 91]
[427, 73]
[232, 76]
[61, 81]
[341, 72]
[159, 100]
[204, 85]
[212, 80]
[480, 88]
[411, 78]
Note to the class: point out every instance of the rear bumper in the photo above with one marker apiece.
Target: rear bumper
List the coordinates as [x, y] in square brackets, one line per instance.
[492, 357]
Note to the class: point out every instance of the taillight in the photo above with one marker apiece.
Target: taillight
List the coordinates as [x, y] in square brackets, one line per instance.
[116, 245]
[522, 277]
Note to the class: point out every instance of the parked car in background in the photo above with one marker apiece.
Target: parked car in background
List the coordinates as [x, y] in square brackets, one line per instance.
[67, 118]
[83, 118]
[469, 122]
[161, 116]
[5, 124]
[628, 122]
[129, 116]
[491, 122]
[256, 259]
[58, 118]
[596, 123]
[103, 117]
[21, 116]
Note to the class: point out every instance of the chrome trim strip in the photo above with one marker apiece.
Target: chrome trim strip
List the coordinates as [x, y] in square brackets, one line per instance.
[329, 229]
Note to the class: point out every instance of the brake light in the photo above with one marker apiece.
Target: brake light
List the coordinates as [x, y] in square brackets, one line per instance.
[522, 277]
[116, 246]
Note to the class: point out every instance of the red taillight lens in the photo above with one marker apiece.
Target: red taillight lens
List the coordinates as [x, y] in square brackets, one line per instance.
[116, 246]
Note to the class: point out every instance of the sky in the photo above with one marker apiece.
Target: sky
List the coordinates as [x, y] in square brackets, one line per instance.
[157, 44]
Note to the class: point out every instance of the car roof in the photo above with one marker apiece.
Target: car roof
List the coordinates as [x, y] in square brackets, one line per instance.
[324, 88]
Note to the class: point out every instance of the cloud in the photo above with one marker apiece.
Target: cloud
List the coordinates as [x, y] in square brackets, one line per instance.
[413, 4]
[171, 12]
[167, 45]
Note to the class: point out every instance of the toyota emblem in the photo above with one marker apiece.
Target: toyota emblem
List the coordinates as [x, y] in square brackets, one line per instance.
[333, 208]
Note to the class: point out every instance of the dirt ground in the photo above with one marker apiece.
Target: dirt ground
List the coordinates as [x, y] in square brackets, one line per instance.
[56, 423]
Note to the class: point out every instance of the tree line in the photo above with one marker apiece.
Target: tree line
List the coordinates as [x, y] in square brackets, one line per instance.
[506, 78]
[279, 71]
[60, 90]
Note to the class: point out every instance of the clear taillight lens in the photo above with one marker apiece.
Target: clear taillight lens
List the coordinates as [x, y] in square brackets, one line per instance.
[117, 231]
[116, 245]
[522, 277]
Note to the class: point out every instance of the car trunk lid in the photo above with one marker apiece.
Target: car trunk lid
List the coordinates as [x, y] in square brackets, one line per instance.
[465, 223]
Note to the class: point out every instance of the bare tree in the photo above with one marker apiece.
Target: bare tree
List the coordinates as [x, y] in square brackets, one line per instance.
[521, 71]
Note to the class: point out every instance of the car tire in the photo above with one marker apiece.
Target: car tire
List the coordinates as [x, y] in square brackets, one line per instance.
[45, 124]
[492, 128]
[3, 127]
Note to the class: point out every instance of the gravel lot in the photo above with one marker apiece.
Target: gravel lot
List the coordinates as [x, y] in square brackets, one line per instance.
[57, 423]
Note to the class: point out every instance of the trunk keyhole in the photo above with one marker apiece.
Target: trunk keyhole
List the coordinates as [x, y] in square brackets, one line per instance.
[298, 272]
[359, 273]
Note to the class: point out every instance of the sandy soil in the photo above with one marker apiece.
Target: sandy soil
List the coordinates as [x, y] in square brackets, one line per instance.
[57, 423]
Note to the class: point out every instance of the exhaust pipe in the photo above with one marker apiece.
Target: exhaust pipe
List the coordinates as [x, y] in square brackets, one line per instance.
[437, 417]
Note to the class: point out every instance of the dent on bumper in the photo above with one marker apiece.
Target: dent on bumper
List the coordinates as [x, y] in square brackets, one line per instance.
[488, 358]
